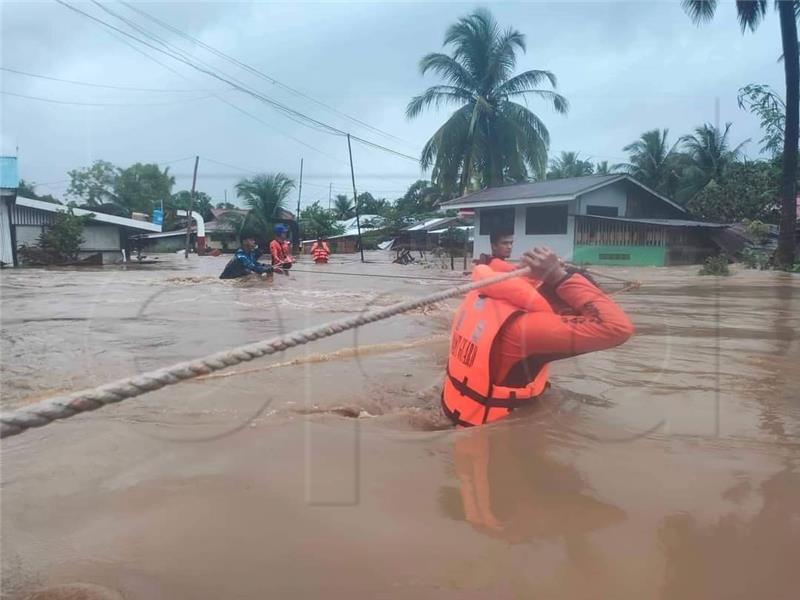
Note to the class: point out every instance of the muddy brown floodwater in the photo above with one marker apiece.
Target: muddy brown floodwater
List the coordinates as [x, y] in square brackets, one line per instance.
[666, 468]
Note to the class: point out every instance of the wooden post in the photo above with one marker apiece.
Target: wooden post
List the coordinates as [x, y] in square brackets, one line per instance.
[191, 208]
[299, 194]
[355, 198]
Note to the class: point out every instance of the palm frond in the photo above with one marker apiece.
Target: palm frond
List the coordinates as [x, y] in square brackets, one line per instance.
[526, 80]
[750, 13]
[435, 96]
[700, 11]
[449, 69]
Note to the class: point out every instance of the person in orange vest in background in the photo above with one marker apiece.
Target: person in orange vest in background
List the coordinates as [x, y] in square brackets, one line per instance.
[504, 336]
[279, 250]
[320, 251]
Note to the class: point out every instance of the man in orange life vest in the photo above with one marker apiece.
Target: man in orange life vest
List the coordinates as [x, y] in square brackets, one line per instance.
[502, 244]
[278, 248]
[320, 250]
[504, 335]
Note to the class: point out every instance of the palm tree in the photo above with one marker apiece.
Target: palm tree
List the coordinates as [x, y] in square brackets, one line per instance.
[750, 15]
[489, 139]
[343, 207]
[265, 195]
[569, 165]
[651, 161]
[709, 157]
[603, 168]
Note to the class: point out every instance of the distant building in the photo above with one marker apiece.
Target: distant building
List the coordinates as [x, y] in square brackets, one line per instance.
[609, 219]
[9, 182]
[347, 242]
[106, 235]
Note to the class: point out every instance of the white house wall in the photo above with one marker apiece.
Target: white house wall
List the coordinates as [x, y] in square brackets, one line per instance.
[101, 237]
[28, 235]
[560, 244]
[611, 195]
[6, 249]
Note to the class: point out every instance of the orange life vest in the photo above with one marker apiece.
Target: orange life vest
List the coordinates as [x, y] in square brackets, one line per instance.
[320, 252]
[470, 396]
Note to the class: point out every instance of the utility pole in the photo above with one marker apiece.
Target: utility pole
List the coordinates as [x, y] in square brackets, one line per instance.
[330, 189]
[191, 208]
[226, 195]
[299, 194]
[355, 198]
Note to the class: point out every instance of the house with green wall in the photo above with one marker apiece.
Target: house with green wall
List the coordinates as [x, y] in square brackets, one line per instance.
[598, 219]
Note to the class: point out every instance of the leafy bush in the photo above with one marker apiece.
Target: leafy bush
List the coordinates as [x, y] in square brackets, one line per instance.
[60, 242]
[755, 259]
[715, 265]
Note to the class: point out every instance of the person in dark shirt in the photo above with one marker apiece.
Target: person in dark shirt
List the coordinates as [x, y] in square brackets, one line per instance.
[245, 262]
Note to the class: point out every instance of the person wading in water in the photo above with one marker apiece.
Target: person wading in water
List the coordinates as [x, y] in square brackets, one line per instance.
[279, 249]
[504, 335]
[502, 244]
[245, 262]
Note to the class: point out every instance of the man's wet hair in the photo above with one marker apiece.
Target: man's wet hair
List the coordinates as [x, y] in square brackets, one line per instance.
[494, 236]
[244, 237]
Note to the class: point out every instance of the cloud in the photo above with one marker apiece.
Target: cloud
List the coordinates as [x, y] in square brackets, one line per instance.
[626, 68]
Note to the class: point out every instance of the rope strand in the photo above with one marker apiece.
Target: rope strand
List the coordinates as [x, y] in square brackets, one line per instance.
[62, 407]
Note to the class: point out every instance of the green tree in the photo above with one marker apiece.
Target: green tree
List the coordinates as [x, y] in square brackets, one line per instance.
[569, 165]
[316, 221]
[369, 205]
[489, 139]
[603, 168]
[142, 187]
[225, 205]
[421, 198]
[27, 189]
[60, 242]
[183, 199]
[343, 207]
[265, 195]
[652, 161]
[750, 15]
[709, 157]
[747, 191]
[770, 108]
[93, 185]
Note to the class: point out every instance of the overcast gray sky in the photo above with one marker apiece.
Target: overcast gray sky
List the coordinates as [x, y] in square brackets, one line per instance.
[624, 66]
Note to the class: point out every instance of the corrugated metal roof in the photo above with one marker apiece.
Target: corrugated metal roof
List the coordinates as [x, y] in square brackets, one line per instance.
[100, 217]
[570, 186]
[551, 190]
[9, 176]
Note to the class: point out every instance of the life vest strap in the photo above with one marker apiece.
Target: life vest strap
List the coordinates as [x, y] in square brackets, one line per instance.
[454, 415]
[489, 402]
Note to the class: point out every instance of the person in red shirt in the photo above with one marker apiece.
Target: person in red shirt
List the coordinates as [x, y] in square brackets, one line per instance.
[505, 335]
[278, 248]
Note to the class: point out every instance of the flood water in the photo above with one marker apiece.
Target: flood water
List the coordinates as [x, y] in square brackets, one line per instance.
[666, 468]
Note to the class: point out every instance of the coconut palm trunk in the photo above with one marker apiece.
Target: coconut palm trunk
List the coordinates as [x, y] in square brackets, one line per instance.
[791, 66]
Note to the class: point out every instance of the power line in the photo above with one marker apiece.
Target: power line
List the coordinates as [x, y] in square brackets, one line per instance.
[256, 72]
[286, 110]
[67, 102]
[97, 85]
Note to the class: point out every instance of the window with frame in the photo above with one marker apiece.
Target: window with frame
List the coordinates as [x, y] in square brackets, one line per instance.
[497, 219]
[547, 219]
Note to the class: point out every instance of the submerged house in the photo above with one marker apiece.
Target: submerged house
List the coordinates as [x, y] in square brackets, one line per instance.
[598, 219]
[104, 235]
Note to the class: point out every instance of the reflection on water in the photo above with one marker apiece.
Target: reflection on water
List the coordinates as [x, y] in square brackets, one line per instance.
[667, 468]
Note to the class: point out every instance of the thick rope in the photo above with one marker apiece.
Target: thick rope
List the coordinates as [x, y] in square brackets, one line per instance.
[63, 407]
